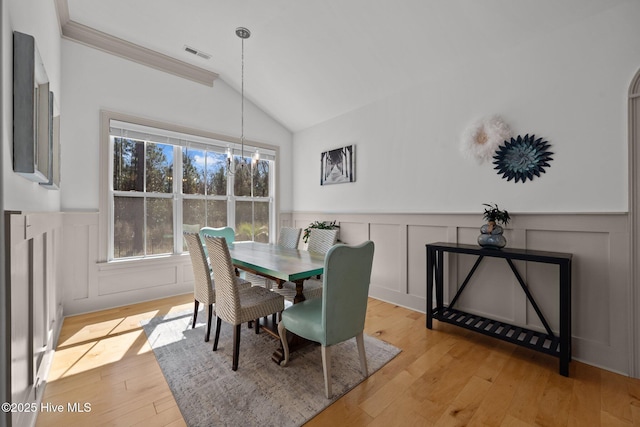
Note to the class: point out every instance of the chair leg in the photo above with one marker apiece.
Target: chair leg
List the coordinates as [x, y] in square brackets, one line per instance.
[363, 355]
[217, 337]
[236, 347]
[326, 367]
[206, 338]
[285, 346]
[257, 326]
[195, 312]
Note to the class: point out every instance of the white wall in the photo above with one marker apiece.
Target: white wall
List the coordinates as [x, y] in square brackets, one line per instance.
[36, 18]
[568, 86]
[94, 80]
[31, 280]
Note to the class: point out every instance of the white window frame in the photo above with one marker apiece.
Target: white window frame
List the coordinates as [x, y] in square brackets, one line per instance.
[107, 192]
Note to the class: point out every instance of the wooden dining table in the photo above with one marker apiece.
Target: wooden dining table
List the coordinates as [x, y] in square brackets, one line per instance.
[277, 263]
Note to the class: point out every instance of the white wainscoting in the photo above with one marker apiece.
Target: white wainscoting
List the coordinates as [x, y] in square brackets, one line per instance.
[601, 288]
[34, 248]
[602, 330]
[91, 284]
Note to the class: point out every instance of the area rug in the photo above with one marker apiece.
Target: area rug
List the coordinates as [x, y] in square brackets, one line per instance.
[259, 393]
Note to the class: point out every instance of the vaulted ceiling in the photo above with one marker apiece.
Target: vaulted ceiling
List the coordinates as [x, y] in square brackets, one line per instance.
[308, 61]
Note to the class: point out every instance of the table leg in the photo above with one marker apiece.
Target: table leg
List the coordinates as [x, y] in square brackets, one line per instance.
[565, 318]
[430, 266]
[439, 281]
[299, 294]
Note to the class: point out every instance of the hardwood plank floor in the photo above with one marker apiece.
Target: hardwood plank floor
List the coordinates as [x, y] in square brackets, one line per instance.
[443, 377]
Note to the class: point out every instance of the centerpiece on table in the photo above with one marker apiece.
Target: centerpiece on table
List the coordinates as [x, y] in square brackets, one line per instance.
[491, 232]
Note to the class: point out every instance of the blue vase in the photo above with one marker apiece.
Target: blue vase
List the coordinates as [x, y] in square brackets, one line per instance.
[491, 236]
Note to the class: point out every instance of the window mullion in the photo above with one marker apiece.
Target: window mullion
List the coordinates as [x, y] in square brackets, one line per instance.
[150, 196]
[144, 204]
[178, 213]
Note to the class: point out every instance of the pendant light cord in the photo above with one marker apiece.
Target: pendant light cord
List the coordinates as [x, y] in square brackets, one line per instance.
[242, 104]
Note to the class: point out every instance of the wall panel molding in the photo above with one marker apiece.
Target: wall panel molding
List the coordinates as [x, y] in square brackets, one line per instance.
[33, 257]
[602, 318]
[599, 242]
[634, 219]
[92, 285]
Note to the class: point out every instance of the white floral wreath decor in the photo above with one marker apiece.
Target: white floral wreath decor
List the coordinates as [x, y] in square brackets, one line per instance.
[482, 138]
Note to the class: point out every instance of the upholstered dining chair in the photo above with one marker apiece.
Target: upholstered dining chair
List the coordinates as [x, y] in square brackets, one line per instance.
[203, 286]
[235, 305]
[320, 241]
[289, 237]
[227, 232]
[340, 314]
[229, 235]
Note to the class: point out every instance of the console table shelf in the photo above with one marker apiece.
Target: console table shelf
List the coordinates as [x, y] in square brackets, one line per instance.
[514, 334]
[548, 343]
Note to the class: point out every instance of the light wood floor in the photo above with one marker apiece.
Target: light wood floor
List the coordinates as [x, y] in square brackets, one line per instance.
[445, 377]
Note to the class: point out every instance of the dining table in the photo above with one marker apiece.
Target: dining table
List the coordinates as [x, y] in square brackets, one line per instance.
[278, 264]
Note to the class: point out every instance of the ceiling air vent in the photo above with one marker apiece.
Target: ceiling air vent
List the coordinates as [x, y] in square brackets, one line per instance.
[197, 52]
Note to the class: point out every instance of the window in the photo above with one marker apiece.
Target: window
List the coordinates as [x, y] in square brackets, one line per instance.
[164, 183]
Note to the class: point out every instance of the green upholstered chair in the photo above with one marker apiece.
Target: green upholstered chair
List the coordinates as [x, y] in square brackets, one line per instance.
[227, 232]
[339, 315]
[233, 304]
[229, 235]
[203, 288]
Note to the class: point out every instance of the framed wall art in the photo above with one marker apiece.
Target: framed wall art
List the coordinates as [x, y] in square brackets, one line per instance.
[338, 166]
[32, 111]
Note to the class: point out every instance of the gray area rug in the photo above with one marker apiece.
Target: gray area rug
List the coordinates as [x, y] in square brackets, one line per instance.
[259, 393]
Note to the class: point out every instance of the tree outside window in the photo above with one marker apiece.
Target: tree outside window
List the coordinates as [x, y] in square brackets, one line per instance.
[153, 183]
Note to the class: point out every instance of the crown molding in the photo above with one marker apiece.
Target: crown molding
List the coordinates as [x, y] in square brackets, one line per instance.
[88, 36]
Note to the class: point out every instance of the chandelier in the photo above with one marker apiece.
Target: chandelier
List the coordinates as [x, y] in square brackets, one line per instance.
[243, 33]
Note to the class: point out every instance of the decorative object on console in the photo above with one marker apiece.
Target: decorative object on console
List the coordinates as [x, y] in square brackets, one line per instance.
[522, 158]
[491, 233]
[337, 166]
[323, 225]
[483, 136]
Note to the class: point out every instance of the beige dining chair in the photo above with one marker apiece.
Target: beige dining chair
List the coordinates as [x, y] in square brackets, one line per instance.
[289, 237]
[234, 305]
[340, 314]
[203, 288]
[320, 241]
[230, 236]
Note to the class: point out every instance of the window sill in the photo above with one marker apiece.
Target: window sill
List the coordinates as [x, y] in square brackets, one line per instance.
[144, 262]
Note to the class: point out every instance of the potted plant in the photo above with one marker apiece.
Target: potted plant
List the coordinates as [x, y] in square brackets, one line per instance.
[324, 225]
[491, 232]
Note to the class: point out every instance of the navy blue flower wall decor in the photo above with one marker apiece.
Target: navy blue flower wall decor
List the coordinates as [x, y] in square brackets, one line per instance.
[522, 158]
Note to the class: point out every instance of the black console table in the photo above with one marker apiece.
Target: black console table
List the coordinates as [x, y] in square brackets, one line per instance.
[548, 343]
